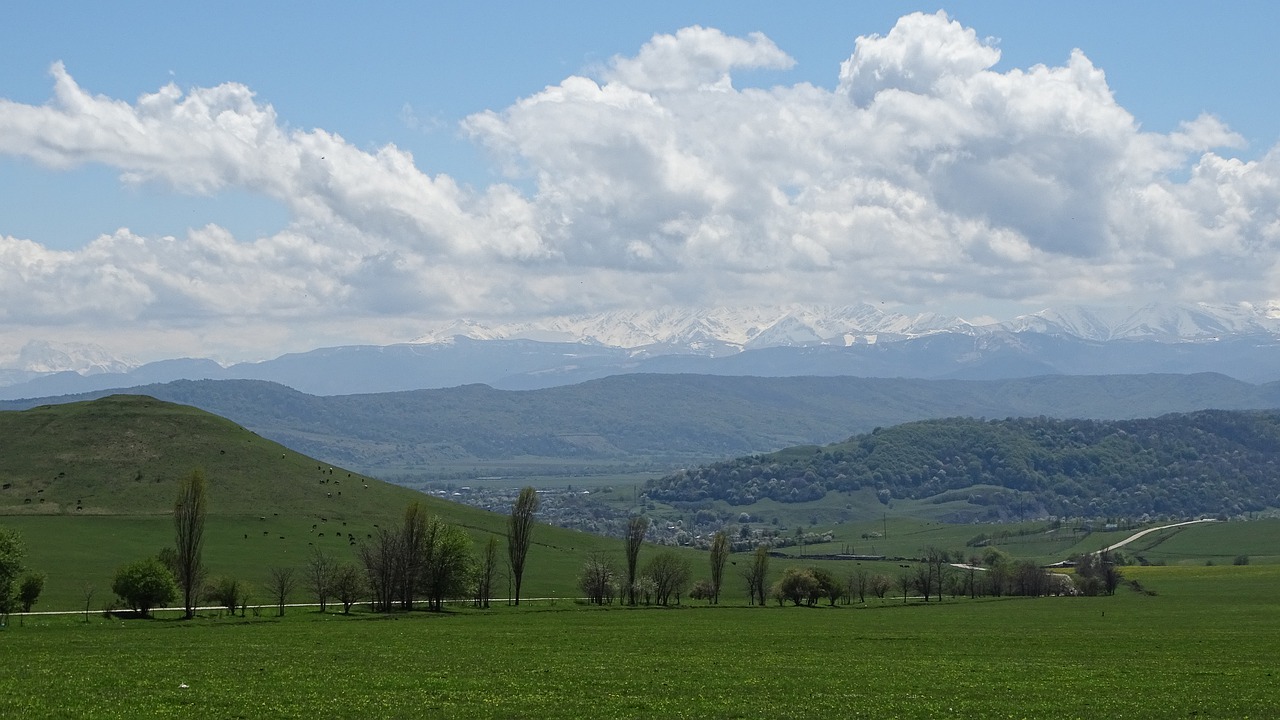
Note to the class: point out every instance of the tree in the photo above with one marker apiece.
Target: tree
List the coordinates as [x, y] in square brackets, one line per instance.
[380, 557]
[637, 526]
[880, 584]
[486, 569]
[719, 556]
[145, 584]
[280, 584]
[188, 521]
[320, 577]
[1098, 572]
[670, 575]
[923, 580]
[702, 590]
[87, 591]
[858, 583]
[905, 581]
[29, 590]
[756, 574]
[12, 553]
[415, 546]
[598, 580]
[828, 586]
[520, 534]
[936, 563]
[227, 592]
[798, 585]
[348, 585]
[446, 569]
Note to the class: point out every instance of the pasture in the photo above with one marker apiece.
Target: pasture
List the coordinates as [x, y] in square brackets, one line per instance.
[1201, 646]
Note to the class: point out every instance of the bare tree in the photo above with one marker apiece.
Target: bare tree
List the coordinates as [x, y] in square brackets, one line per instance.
[188, 521]
[923, 580]
[905, 581]
[756, 574]
[320, 577]
[936, 559]
[598, 579]
[348, 586]
[280, 583]
[520, 534]
[485, 572]
[670, 575]
[416, 539]
[879, 585]
[86, 591]
[637, 526]
[380, 557]
[858, 583]
[719, 556]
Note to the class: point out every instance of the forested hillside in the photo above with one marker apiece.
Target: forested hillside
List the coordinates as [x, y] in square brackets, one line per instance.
[1206, 462]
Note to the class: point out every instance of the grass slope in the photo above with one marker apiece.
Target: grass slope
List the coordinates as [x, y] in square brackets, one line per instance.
[91, 486]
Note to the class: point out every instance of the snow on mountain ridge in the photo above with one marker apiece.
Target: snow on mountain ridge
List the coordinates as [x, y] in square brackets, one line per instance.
[1156, 321]
[41, 356]
[733, 329]
[728, 328]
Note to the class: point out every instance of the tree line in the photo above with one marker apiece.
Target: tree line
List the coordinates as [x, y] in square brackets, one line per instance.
[422, 559]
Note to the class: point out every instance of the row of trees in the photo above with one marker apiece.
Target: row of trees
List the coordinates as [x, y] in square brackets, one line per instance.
[663, 578]
[666, 576]
[424, 558]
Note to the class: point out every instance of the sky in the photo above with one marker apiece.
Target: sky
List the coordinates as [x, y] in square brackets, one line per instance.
[237, 180]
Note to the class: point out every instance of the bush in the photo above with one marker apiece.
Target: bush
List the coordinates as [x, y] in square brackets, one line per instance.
[1241, 560]
[144, 585]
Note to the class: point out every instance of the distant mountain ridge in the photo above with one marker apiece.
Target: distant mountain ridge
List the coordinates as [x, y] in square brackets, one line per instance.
[666, 419]
[1242, 341]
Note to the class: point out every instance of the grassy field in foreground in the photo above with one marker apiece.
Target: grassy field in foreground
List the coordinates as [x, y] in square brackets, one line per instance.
[1202, 646]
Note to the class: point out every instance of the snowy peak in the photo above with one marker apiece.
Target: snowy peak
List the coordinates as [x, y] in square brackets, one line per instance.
[1159, 322]
[713, 331]
[40, 356]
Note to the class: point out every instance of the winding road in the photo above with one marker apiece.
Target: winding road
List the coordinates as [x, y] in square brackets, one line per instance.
[1140, 533]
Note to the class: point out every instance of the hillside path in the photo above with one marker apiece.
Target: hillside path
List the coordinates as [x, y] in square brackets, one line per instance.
[1140, 533]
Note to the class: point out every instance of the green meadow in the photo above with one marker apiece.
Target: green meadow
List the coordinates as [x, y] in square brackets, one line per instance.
[1199, 643]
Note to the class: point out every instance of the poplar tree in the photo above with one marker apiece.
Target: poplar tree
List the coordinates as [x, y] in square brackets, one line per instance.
[188, 521]
[520, 534]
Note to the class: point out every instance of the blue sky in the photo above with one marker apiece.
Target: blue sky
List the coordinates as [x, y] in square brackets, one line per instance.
[527, 195]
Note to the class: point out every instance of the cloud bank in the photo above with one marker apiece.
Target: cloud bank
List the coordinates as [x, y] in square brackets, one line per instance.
[922, 177]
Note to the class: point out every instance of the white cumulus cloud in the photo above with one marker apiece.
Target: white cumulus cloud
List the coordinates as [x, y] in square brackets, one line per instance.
[921, 176]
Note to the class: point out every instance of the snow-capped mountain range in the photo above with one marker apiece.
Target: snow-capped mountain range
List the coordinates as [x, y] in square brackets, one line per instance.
[1241, 341]
[726, 330]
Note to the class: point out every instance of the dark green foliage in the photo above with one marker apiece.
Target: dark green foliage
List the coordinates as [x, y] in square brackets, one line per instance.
[12, 553]
[1206, 462]
[29, 589]
[144, 585]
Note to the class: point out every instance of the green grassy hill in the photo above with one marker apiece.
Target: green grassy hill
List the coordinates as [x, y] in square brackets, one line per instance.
[91, 486]
[124, 454]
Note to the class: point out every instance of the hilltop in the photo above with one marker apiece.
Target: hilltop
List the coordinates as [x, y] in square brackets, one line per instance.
[124, 454]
